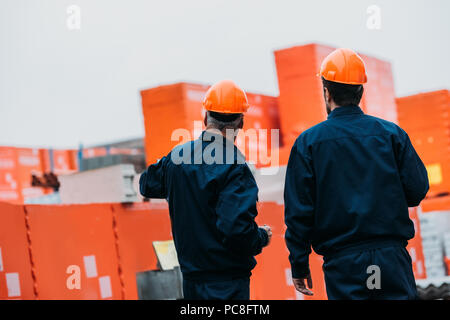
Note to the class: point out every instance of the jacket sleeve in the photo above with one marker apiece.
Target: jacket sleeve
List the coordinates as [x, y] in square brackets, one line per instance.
[152, 181]
[299, 197]
[236, 212]
[412, 171]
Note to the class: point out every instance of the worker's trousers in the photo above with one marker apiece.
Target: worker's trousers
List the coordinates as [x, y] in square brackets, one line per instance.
[236, 289]
[382, 273]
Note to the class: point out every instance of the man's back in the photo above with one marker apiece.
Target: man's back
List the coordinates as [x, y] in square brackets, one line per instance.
[212, 206]
[360, 174]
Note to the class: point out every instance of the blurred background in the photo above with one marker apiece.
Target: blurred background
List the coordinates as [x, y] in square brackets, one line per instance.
[91, 92]
[89, 78]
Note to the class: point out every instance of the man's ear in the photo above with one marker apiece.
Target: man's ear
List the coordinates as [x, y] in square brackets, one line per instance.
[241, 123]
[326, 94]
[205, 120]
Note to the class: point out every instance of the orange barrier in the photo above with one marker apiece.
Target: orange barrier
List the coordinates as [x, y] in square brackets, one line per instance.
[272, 277]
[15, 268]
[75, 236]
[43, 247]
[138, 225]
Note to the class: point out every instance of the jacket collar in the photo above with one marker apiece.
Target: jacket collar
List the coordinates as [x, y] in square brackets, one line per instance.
[216, 137]
[345, 110]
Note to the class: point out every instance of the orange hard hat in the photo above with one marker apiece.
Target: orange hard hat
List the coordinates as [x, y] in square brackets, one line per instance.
[344, 66]
[226, 97]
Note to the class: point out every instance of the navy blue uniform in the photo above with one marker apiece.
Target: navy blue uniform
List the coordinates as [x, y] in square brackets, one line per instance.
[212, 208]
[349, 182]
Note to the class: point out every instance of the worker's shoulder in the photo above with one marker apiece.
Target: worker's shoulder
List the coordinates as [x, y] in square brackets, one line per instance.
[313, 134]
[382, 126]
[332, 129]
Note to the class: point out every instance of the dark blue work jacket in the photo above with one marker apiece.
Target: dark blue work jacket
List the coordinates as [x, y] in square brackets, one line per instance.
[349, 182]
[212, 197]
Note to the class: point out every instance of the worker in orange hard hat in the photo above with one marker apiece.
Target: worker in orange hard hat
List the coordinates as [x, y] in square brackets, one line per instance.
[212, 197]
[349, 183]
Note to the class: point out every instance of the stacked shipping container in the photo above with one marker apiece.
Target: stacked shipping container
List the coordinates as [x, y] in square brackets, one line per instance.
[426, 119]
[301, 103]
[179, 106]
[16, 167]
[18, 164]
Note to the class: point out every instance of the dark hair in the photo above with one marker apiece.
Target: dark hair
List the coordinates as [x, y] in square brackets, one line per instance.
[224, 117]
[344, 94]
[223, 121]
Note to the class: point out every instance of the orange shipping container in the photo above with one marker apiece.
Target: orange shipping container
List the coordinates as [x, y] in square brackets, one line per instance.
[301, 104]
[165, 109]
[62, 161]
[9, 181]
[425, 117]
[430, 110]
[94, 152]
[436, 204]
[28, 163]
[179, 106]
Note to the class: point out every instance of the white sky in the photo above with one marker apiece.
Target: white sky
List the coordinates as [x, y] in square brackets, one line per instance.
[60, 87]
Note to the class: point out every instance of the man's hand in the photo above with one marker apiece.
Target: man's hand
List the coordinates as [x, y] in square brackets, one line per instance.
[269, 232]
[300, 285]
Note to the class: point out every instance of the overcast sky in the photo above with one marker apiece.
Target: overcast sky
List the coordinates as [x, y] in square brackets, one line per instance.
[60, 87]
